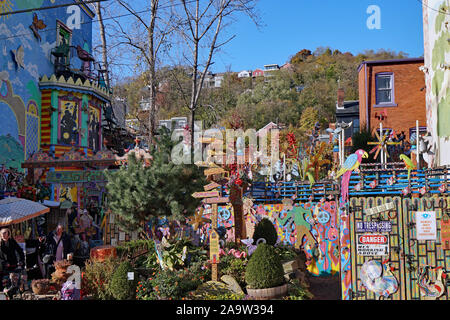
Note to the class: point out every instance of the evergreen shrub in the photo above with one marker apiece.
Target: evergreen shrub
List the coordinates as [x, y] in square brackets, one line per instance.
[264, 269]
[265, 229]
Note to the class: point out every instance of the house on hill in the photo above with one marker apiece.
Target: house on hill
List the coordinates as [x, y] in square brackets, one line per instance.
[392, 92]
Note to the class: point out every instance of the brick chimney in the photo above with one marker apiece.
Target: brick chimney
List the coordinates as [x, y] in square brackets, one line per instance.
[340, 97]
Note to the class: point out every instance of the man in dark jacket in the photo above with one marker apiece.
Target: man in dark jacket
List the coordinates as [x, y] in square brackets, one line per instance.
[58, 247]
[11, 254]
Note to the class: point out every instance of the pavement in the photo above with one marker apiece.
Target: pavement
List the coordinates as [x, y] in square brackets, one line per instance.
[325, 287]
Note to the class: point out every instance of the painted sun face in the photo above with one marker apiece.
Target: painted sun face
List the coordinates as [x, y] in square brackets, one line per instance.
[5, 6]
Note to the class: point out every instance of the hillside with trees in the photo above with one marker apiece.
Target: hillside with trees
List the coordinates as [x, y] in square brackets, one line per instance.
[296, 97]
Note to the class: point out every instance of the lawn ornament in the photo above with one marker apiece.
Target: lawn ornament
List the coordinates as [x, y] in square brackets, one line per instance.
[70, 292]
[237, 254]
[197, 220]
[381, 145]
[310, 178]
[378, 278]
[391, 181]
[250, 246]
[408, 164]
[423, 190]
[317, 160]
[248, 207]
[428, 288]
[351, 163]
[406, 191]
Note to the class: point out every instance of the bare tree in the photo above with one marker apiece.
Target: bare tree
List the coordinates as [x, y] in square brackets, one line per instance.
[101, 25]
[147, 36]
[201, 25]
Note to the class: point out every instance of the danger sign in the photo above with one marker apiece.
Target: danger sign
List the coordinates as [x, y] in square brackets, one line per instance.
[372, 245]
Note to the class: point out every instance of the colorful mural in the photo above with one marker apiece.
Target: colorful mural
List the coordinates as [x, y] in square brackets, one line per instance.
[69, 122]
[310, 226]
[26, 42]
[94, 128]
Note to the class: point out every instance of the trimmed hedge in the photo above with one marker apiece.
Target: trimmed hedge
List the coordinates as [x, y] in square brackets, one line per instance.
[264, 269]
[265, 229]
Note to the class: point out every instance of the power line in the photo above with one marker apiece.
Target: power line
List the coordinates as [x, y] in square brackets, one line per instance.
[49, 7]
[437, 10]
[92, 21]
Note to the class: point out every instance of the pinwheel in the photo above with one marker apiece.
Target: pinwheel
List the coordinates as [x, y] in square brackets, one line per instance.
[381, 144]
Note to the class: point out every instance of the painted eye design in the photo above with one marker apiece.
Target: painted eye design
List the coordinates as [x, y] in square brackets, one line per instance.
[426, 215]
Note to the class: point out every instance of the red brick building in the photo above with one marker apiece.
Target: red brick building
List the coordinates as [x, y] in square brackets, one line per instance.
[392, 92]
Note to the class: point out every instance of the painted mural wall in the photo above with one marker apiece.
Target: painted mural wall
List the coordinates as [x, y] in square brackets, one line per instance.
[26, 41]
[436, 23]
[310, 226]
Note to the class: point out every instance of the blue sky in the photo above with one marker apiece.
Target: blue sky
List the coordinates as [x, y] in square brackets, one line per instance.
[292, 25]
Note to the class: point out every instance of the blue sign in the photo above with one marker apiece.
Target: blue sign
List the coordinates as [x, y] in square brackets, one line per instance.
[373, 226]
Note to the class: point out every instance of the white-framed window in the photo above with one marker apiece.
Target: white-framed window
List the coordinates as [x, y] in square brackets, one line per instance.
[384, 88]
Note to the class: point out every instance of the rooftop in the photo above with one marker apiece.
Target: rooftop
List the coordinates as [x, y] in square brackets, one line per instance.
[390, 61]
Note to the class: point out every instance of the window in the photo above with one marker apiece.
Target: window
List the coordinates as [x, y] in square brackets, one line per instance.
[355, 126]
[385, 88]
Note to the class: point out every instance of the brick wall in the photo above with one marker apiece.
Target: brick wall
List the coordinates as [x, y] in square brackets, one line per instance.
[409, 94]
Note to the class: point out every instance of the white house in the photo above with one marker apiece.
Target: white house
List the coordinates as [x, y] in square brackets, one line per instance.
[245, 74]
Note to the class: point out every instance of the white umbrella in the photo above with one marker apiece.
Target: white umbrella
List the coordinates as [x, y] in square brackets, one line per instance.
[16, 210]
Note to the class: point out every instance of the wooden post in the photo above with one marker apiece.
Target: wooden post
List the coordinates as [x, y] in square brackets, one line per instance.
[238, 210]
[214, 244]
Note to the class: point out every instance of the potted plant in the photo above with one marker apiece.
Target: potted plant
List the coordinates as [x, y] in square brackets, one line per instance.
[264, 274]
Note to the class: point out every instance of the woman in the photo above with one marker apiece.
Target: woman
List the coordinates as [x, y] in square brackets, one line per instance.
[11, 254]
[58, 247]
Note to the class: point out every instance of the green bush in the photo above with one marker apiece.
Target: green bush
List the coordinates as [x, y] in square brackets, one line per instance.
[264, 269]
[286, 252]
[120, 287]
[97, 276]
[296, 291]
[234, 267]
[134, 246]
[265, 229]
[224, 296]
[169, 285]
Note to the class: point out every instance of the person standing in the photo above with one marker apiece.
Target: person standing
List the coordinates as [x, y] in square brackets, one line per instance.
[58, 247]
[11, 254]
